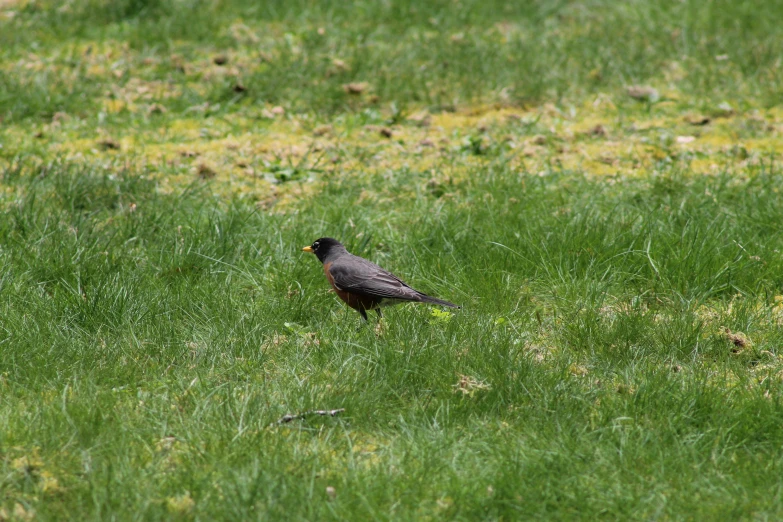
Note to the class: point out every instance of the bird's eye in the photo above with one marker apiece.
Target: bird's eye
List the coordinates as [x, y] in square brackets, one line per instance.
[315, 245]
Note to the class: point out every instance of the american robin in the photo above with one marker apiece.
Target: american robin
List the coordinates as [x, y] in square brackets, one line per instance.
[361, 284]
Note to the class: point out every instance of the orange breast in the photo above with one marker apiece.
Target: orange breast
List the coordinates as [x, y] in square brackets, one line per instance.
[357, 302]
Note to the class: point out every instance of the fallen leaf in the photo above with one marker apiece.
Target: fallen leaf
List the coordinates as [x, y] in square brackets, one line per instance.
[685, 139]
[608, 159]
[109, 144]
[598, 131]
[529, 151]
[468, 385]
[642, 93]
[422, 119]
[204, 171]
[322, 130]
[698, 120]
[386, 132]
[273, 113]
[738, 339]
[220, 59]
[166, 444]
[355, 87]
[723, 110]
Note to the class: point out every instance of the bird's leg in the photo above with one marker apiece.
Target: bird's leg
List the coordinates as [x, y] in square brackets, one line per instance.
[380, 314]
[364, 323]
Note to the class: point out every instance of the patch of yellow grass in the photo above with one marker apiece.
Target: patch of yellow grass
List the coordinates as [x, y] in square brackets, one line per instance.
[242, 152]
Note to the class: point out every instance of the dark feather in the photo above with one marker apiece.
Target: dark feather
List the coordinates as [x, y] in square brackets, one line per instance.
[357, 275]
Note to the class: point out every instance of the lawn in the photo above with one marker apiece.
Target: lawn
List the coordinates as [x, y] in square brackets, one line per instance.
[597, 184]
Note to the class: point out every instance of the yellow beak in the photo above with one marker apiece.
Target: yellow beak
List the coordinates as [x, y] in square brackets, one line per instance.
[307, 249]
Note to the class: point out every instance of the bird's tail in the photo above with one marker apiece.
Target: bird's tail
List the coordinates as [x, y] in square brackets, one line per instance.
[434, 300]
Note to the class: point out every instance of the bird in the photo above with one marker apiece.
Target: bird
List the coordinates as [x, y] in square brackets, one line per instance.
[363, 285]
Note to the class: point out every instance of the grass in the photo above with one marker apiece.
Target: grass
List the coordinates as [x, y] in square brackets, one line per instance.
[440, 54]
[618, 261]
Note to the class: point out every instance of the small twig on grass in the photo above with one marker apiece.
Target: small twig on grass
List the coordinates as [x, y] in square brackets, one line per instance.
[285, 419]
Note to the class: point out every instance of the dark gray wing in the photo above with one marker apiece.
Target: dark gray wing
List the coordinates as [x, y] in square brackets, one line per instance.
[356, 275]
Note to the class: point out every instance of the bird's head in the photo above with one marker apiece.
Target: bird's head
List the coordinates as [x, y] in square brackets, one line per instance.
[325, 247]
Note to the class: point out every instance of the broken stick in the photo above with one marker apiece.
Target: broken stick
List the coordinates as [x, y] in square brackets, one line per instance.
[291, 417]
